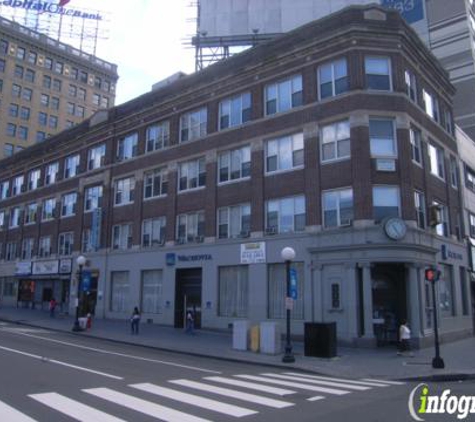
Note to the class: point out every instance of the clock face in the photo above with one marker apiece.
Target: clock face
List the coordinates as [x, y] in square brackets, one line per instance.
[395, 228]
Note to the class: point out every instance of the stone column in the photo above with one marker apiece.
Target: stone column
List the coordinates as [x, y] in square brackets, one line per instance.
[367, 302]
[318, 311]
[352, 295]
[414, 298]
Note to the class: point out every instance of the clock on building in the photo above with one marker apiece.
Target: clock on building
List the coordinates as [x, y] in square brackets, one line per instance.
[395, 228]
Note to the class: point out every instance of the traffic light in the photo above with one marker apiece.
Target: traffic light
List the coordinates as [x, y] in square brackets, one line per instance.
[431, 274]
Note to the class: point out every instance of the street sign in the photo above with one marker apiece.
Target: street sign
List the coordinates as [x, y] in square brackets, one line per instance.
[293, 283]
[86, 281]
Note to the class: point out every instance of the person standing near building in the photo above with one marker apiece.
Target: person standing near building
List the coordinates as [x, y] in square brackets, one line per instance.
[190, 322]
[135, 320]
[52, 307]
[404, 339]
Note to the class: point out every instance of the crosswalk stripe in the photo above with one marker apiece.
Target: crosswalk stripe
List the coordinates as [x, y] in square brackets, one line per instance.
[198, 401]
[296, 385]
[143, 406]
[73, 409]
[12, 415]
[277, 404]
[316, 398]
[384, 381]
[367, 383]
[252, 386]
[321, 382]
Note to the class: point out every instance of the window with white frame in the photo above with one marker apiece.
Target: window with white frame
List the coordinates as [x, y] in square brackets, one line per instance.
[411, 87]
[283, 95]
[127, 147]
[192, 174]
[152, 291]
[4, 189]
[284, 153]
[17, 185]
[51, 173]
[124, 191]
[233, 291]
[92, 198]
[31, 211]
[386, 202]
[193, 125]
[190, 227]
[71, 166]
[338, 207]
[420, 206]
[471, 224]
[3, 219]
[33, 178]
[234, 164]
[87, 241]
[153, 232]
[382, 137]
[68, 204]
[449, 122]
[285, 215]
[157, 136]
[155, 183]
[11, 251]
[378, 73]
[122, 236]
[277, 291]
[96, 156]
[235, 111]
[436, 160]
[120, 292]
[234, 221]
[49, 206]
[469, 178]
[416, 145]
[44, 246]
[454, 172]
[333, 78]
[431, 105]
[65, 243]
[15, 213]
[443, 228]
[27, 248]
[335, 141]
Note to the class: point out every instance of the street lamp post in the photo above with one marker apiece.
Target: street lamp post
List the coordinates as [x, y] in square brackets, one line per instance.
[81, 260]
[432, 275]
[288, 254]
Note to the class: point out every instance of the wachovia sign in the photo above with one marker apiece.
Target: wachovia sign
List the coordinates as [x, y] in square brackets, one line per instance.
[48, 7]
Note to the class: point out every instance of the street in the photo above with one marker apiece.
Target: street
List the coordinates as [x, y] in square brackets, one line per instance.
[49, 376]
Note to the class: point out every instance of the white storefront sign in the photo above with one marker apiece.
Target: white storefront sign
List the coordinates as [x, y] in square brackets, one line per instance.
[253, 253]
[23, 268]
[46, 267]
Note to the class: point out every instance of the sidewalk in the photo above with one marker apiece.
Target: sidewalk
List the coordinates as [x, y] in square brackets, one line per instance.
[383, 363]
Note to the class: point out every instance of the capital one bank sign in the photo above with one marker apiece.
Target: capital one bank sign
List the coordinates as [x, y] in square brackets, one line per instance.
[49, 7]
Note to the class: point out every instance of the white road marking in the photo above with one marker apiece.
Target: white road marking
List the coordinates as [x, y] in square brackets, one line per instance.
[367, 383]
[316, 398]
[384, 381]
[12, 415]
[58, 362]
[73, 408]
[251, 386]
[227, 392]
[198, 401]
[296, 385]
[143, 406]
[320, 382]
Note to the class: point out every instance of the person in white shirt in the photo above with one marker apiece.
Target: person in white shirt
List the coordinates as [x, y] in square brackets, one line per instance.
[404, 339]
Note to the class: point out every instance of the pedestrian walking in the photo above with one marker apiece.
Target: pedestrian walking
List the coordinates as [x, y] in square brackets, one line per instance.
[404, 339]
[134, 321]
[190, 323]
[52, 307]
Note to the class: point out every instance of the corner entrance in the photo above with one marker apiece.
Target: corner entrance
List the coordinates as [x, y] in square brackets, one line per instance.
[187, 296]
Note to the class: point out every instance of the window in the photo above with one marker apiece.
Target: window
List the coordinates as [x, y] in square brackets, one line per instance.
[277, 291]
[443, 228]
[55, 103]
[16, 90]
[17, 185]
[335, 143]
[338, 208]
[122, 236]
[53, 122]
[127, 147]
[40, 136]
[93, 198]
[13, 110]
[153, 232]
[449, 122]
[333, 79]
[284, 153]
[87, 245]
[233, 291]
[57, 85]
[416, 146]
[411, 87]
[157, 136]
[49, 63]
[11, 251]
[15, 217]
[234, 221]
[96, 156]
[382, 138]
[58, 67]
[471, 223]
[454, 172]
[420, 205]
[11, 129]
[285, 215]
[46, 81]
[71, 165]
[431, 105]
[25, 113]
[31, 211]
[71, 108]
[445, 285]
[192, 174]
[32, 57]
[74, 73]
[3, 219]
[283, 95]
[436, 160]
[82, 94]
[72, 90]
[190, 227]
[4, 189]
[42, 118]
[104, 102]
[80, 111]
[2, 65]
[335, 291]
[120, 292]
[385, 202]
[65, 244]
[51, 173]
[44, 100]
[27, 94]
[469, 178]
[124, 191]
[29, 75]
[23, 133]
[377, 70]
[7, 150]
[152, 281]
[193, 125]
[235, 111]
[19, 71]
[464, 291]
[49, 207]
[44, 247]
[234, 164]
[96, 98]
[3, 46]
[83, 76]
[27, 248]
[155, 183]
[68, 204]
[20, 53]
[33, 179]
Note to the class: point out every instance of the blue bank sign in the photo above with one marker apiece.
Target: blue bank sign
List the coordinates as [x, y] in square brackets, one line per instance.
[47, 7]
[411, 10]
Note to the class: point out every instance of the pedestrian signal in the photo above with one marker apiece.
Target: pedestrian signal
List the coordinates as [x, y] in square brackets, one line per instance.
[432, 274]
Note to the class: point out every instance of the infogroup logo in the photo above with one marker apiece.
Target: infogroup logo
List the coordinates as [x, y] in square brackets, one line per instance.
[421, 403]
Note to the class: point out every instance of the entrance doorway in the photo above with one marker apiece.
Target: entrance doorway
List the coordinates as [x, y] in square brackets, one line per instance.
[188, 296]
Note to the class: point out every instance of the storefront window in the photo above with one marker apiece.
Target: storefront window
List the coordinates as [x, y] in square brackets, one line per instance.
[120, 291]
[233, 291]
[152, 291]
[445, 286]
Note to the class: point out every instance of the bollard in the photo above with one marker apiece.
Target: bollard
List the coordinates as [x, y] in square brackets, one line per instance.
[89, 321]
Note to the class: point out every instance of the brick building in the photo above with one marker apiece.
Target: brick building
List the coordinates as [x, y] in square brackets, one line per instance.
[335, 138]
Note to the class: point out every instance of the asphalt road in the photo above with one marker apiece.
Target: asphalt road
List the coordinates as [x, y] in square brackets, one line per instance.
[50, 377]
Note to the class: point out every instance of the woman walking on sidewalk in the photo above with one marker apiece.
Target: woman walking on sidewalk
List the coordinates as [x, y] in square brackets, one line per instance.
[135, 320]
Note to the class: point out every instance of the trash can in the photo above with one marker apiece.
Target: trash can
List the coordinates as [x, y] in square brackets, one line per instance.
[320, 339]
[240, 335]
[270, 338]
[82, 322]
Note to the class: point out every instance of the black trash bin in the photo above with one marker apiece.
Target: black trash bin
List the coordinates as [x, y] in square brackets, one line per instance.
[320, 339]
